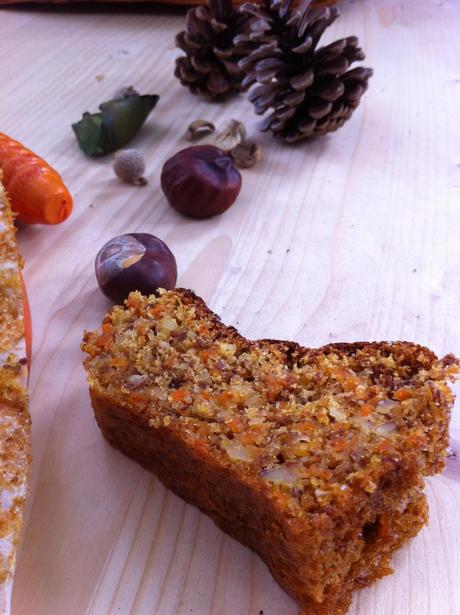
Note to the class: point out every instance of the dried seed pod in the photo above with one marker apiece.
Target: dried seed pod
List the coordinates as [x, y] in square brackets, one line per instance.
[129, 166]
[231, 136]
[199, 129]
[246, 154]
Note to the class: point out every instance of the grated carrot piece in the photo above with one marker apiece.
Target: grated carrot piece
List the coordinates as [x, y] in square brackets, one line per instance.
[366, 409]
[235, 425]
[180, 395]
[402, 394]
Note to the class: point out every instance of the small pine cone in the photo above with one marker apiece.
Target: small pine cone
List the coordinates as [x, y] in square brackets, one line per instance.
[309, 91]
[210, 67]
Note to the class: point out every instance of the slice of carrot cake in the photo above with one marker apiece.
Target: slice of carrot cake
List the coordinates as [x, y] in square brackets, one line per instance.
[313, 458]
[14, 414]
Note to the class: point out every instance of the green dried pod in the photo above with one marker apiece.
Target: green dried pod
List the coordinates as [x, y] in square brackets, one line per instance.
[116, 124]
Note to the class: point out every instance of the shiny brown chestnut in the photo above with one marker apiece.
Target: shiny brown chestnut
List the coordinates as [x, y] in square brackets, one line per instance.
[135, 261]
[200, 181]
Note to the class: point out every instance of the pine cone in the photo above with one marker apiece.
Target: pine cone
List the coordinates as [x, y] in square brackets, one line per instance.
[309, 91]
[210, 66]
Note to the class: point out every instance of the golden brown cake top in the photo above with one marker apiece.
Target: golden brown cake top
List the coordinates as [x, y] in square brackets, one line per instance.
[316, 425]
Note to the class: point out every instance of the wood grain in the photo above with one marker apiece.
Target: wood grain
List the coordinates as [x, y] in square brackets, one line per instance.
[352, 237]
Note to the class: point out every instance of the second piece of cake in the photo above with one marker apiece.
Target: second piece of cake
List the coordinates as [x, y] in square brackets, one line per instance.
[14, 414]
[314, 458]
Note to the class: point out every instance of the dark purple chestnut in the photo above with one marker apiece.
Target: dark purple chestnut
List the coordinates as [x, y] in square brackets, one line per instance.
[136, 261]
[200, 181]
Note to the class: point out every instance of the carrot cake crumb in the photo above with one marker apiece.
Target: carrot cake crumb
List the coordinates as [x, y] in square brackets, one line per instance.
[314, 458]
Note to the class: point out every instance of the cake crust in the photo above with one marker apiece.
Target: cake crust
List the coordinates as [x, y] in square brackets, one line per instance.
[324, 525]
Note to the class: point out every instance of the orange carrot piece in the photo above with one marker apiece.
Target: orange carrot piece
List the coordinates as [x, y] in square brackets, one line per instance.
[403, 394]
[339, 445]
[157, 310]
[204, 355]
[366, 409]
[180, 395]
[235, 425]
[37, 193]
[224, 398]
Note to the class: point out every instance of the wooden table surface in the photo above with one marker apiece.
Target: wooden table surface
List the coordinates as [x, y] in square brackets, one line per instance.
[353, 237]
